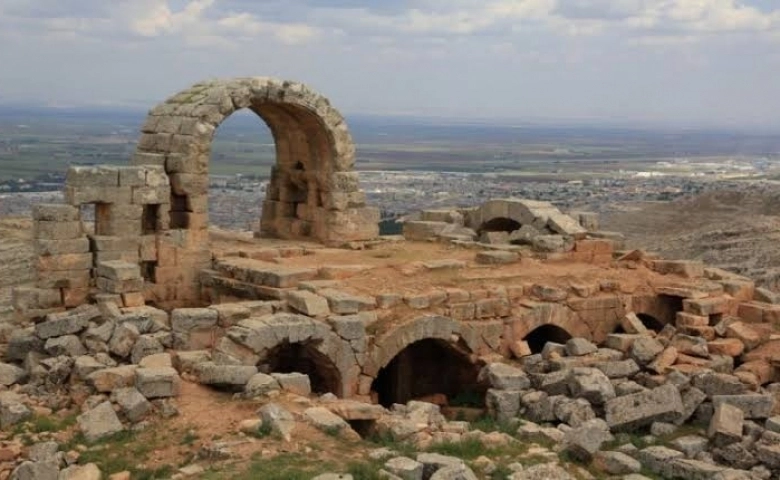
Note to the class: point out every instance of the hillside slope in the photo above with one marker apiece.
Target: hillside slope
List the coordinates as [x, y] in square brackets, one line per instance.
[736, 230]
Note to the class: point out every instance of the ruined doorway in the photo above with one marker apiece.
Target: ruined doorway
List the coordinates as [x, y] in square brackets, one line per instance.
[430, 370]
[539, 336]
[303, 357]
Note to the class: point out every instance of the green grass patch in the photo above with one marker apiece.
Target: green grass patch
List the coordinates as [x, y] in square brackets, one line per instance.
[488, 424]
[189, 439]
[122, 451]
[292, 466]
[264, 431]
[46, 423]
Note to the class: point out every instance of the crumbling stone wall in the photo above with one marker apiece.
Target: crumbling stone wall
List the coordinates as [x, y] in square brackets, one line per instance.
[152, 217]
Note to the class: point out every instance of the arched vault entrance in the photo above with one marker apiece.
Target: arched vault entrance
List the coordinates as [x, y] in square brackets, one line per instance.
[304, 357]
[433, 370]
[538, 337]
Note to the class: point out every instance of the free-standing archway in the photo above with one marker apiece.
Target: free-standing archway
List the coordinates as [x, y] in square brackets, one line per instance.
[313, 191]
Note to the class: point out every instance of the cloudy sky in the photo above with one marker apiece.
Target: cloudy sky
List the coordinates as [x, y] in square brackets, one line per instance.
[704, 62]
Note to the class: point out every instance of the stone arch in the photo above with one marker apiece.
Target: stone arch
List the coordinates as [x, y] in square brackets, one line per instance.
[256, 341]
[661, 308]
[542, 334]
[506, 213]
[433, 370]
[313, 191]
[391, 343]
[570, 324]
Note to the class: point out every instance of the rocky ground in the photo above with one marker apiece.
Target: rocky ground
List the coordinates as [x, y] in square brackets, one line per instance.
[103, 392]
[735, 230]
[105, 403]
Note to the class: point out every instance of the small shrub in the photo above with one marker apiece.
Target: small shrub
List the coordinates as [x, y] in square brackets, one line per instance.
[364, 471]
[189, 438]
[333, 431]
[467, 449]
[264, 431]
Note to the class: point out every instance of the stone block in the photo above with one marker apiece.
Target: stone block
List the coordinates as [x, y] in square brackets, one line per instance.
[260, 384]
[109, 379]
[684, 268]
[422, 231]
[67, 323]
[67, 261]
[55, 212]
[39, 470]
[62, 247]
[209, 373]
[565, 225]
[92, 176]
[591, 384]
[43, 230]
[616, 463]
[504, 377]
[134, 405]
[99, 422]
[308, 303]
[618, 368]
[325, 420]
[645, 349]
[296, 383]
[707, 306]
[343, 303]
[123, 339]
[750, 336]
[753, 406]
[13, 412]
[280, 420]
[119, 271]
[579, 346]
[68, 345]
[660, 404]
[726, 425]
[503, 404]
[157, 382]
[89, 471]
[405, 468]
[631, 324]
[584, 441]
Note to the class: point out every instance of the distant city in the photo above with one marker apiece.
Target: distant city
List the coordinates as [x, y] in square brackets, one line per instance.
[407, 164]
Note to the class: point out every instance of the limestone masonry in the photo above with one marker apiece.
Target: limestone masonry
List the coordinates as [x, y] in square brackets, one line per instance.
[513, 308]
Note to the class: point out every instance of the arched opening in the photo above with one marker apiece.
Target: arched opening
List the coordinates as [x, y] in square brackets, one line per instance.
[539, 336]
[296, 194]
[430, 370]
[499, 224]
[650, 322]
[303, 357]
[242, 156]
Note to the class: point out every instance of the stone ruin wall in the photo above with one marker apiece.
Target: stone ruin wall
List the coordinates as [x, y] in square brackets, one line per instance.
[154, 214]
[149, 248]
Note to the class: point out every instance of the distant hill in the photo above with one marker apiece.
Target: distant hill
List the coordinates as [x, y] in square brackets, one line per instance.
[738, 230]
